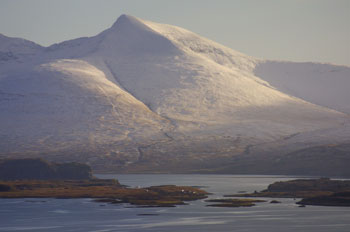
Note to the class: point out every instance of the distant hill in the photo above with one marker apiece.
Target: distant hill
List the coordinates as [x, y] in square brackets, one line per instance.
[39, 169]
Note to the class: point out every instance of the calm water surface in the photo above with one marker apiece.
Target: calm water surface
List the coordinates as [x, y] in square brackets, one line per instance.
[88, 216]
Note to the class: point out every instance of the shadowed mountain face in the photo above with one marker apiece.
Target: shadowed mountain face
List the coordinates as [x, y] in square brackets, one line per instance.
[148, 97]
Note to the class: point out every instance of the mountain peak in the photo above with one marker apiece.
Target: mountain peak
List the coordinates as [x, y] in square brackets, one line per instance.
[125, 20]
[130, 35]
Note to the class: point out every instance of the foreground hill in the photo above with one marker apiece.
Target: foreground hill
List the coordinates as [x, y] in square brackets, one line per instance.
[148, 97]
[39, 169]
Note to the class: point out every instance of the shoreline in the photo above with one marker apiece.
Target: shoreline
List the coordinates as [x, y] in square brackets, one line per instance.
[108, 190]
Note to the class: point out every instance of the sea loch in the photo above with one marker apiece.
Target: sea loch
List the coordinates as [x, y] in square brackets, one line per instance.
[86, 215]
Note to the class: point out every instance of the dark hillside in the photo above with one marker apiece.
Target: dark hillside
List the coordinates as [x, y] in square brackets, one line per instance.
[39, 169]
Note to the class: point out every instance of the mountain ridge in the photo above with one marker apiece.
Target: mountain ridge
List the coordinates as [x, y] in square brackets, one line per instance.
[141, 95]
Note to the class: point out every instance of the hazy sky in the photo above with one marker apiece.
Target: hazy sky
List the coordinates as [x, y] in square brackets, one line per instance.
[297, 30]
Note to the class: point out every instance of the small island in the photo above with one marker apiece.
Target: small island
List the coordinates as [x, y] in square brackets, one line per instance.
[323, 191]
[233, 202]
[77, 182]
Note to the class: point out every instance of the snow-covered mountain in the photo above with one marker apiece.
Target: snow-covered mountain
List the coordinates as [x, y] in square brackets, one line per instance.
[16, 48]
[143, 96]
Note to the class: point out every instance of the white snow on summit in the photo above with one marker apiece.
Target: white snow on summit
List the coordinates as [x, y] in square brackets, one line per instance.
[182, 76]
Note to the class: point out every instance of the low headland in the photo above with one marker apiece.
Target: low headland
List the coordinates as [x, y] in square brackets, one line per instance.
[323, 191]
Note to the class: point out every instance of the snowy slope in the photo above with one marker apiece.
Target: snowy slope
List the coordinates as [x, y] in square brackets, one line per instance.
[141, 94]
[323, 84]
[16, 48]
[188, 78]
[68, 104]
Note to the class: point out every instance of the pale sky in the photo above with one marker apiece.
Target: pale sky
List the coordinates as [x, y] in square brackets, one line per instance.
[295, 30]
